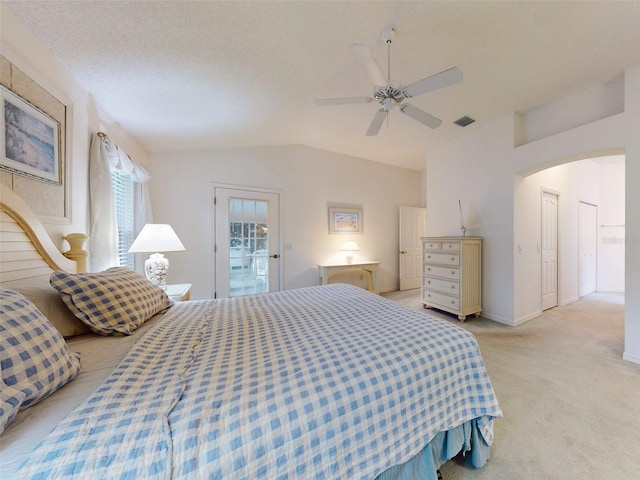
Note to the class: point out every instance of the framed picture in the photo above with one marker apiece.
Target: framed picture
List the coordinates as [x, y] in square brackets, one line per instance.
[345, 220]
[30, 140]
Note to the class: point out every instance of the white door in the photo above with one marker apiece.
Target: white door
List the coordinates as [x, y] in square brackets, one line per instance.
[549, 250]
[246, 242]
[587, 244]
[413, 225]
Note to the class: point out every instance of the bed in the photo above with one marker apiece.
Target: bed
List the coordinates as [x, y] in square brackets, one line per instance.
[318, 382]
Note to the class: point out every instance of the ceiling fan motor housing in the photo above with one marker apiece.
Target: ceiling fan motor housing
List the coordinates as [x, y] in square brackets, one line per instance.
[388, 95]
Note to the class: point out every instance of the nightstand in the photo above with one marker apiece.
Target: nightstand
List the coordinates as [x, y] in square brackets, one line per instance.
[179, 292]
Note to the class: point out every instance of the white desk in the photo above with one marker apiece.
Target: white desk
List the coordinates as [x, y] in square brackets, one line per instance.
[325, 272]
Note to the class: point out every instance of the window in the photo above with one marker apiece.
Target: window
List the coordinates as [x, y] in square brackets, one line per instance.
[123, 200]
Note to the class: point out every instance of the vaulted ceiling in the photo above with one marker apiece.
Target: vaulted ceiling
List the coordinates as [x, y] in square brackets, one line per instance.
[202, 75]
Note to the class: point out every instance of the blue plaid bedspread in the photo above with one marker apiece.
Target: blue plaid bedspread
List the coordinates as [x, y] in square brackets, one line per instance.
[324, 382]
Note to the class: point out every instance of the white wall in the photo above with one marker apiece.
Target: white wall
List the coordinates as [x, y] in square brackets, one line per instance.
[309, 179]
[484, 169]
[631, 142]
[476, 169]
[84, 117]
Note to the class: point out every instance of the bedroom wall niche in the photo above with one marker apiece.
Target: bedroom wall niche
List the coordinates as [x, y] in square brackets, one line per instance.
[50, 201]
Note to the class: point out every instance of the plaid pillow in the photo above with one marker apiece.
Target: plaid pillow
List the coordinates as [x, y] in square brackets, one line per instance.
[34, 358]
[113, 302]
[10, 401]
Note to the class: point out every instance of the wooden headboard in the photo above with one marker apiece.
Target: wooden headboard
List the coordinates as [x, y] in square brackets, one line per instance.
[26, 250]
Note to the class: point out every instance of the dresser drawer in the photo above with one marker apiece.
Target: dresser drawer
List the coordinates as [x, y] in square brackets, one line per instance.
[440, 299]
[441, 285]
[445, 272]
[441, 258]
[450, 246]
[433, 246]
[441, 246]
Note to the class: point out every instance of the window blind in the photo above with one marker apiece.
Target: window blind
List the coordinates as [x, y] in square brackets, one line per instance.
[123, 199]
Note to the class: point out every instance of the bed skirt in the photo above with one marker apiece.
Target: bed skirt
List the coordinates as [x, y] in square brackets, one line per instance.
[466, 438]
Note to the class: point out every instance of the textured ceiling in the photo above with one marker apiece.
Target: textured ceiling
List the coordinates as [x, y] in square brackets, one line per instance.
[201, 75]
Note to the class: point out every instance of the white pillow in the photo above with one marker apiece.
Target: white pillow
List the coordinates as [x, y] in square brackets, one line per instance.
[48, 301]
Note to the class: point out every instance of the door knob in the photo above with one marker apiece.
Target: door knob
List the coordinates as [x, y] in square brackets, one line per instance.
[275, 255]
[402, 252]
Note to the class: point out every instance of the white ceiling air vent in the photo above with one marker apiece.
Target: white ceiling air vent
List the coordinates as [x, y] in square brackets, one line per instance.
[464, 121]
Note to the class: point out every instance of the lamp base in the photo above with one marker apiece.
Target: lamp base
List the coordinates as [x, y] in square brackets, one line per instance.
[156, 268]
[349, 258]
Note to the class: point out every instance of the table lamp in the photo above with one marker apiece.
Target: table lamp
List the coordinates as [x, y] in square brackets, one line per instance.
[349, 246]
[156, 237]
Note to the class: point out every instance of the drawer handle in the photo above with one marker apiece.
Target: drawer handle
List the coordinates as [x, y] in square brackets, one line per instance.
[453, 272]
[429, 295]
[428, 256]
[428, 269]
[428, 281]
[452, 302]
[453, 259]
[453, 287]
[450, 246]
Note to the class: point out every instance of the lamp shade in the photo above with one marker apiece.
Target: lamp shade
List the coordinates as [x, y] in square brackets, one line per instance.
[350, 246]
[156, 237]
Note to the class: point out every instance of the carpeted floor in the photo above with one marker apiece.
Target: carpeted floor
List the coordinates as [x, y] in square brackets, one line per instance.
[571, 404]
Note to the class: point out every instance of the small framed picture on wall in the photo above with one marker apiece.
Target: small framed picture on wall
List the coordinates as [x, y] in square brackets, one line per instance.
[345, 220]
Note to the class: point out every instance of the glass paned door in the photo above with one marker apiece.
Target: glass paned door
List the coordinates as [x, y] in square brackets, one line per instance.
[248, 247]
[247, 241]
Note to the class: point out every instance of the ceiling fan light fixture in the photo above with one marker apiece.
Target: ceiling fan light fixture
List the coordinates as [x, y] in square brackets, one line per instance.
[388, 103]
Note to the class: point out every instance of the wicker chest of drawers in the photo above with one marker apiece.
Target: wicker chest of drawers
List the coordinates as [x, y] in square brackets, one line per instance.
[452, 274]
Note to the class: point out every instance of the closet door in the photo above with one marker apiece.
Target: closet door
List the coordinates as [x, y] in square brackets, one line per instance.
[549, 250]
[587, 241]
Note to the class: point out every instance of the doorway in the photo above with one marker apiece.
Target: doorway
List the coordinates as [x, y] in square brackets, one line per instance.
[413, 225]
[246, 241]
[549, 249]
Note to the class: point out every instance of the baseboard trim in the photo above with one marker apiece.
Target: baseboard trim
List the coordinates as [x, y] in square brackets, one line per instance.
[495, 318]
[631, 358]
[568, 301]
[526, 318]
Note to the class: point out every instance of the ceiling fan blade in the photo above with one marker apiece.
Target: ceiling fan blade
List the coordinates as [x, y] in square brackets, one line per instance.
[323, 102]
[377, 122]
[365, 57]
[434, 82]
[420, 115]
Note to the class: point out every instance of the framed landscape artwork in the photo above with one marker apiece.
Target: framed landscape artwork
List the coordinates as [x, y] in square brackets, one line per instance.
[345, 220]
[29, 143]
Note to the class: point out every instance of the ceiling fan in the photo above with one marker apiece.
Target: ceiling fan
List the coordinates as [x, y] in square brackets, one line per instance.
[389, 93]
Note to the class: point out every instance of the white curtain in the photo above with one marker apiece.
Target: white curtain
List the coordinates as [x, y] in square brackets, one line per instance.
[105, 156]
